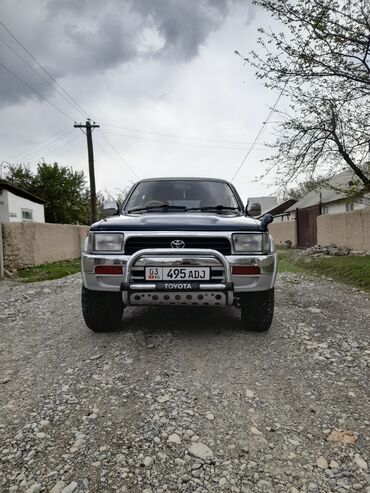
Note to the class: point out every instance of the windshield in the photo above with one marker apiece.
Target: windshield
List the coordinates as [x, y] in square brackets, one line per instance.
[176, 195]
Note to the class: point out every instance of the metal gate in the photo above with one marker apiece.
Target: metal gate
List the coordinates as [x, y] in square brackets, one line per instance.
[307, 225]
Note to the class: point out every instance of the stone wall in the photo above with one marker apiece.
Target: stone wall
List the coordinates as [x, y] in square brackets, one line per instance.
[350, 229]
[283, 231]
[30, 244]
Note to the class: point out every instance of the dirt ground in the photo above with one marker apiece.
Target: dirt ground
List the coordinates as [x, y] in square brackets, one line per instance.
[183, 399]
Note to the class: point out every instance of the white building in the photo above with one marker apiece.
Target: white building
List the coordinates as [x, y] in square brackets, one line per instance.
[331, 198]
[17, 205]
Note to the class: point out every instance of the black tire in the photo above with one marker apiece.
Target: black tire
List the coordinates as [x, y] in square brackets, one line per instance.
[257, 310]
[102, 310]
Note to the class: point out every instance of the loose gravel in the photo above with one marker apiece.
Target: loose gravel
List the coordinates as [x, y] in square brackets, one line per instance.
[183, 399]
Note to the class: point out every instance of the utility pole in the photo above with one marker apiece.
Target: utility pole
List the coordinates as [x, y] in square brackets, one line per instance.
[88, 126]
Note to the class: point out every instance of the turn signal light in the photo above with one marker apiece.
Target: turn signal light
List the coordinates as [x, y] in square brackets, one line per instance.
[108, 269]
[246, 270]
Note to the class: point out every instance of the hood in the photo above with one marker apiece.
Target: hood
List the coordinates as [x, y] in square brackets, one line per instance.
[177, 222]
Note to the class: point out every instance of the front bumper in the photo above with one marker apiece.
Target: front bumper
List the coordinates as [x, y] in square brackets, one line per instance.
[228, 285]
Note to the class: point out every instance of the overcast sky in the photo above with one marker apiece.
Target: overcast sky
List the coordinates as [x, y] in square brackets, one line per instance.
[159, 76]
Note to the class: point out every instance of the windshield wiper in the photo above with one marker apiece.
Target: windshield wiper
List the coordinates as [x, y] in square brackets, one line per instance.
[165, 207]
[214, 208]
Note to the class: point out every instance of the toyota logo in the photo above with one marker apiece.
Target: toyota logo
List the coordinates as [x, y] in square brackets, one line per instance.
[177, 244]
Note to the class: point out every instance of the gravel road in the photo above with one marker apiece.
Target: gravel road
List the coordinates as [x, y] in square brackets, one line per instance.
[183, 399]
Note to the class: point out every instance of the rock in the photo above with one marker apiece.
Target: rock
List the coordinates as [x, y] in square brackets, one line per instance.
[58, 487]
[163, 398]
[344, 436]
[35, 488]
[222, 482]
[322, 463]
[70, 488]
[312, 488]
[148, 461]
[334, 464]
[362, 464]
[96, 356]
[313, 309]
[210, 416]
[179, 462]
[255, 431]
[5, 380]
[357, 486]
[200, 450]
[80, 443]
[249, 394]
[174, 438]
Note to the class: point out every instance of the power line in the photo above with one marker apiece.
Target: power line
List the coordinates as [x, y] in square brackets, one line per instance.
[52, 138]
[49, 148]
[258, 134]
[38, 73]
[119, 155]
[35, 91]
[61, 145]
[112, 158]
[44, 69]
[178, 136]
[140, 137]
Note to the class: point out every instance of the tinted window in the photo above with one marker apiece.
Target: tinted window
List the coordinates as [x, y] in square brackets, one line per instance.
[187, 193]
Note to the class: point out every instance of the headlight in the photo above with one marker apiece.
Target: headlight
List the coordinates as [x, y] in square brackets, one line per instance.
[250, 242]
[106, 242]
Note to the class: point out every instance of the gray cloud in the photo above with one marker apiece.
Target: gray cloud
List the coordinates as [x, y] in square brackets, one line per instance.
[78, 39]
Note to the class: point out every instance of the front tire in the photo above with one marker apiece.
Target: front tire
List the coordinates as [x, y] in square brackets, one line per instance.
[257, 310]
[102, 311]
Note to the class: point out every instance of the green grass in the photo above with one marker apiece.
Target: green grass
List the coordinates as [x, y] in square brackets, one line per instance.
[286, 264]
[46, 272]
[354, 271]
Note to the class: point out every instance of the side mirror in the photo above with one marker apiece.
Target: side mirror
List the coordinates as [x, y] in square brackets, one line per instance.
[265, 221]
[110, 209]
[255, 209]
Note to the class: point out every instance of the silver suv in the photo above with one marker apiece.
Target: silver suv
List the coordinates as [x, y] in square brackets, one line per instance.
[179, 241]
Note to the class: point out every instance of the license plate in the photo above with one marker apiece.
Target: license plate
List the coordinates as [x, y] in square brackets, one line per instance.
[177, 273]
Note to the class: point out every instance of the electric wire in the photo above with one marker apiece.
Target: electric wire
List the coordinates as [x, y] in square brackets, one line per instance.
[38, 73]
[263, 126]
[50, 147]
[118, 154]
[109, 154]
[140, 137]
[44, 69]
[54, 149]
[35, 91]
[178, 136]
[46, 142]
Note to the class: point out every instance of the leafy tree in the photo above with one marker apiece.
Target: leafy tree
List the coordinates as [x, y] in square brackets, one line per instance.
[321, 61]
[65, 192]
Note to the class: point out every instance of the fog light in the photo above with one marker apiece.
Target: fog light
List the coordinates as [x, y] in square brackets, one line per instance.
[246, 270]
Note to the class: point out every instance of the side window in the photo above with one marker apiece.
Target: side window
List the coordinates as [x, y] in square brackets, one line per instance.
[26, 215]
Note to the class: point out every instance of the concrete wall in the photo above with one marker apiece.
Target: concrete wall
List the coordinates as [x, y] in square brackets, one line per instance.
[29, 244]
[283, 231]
[16, 204]
[351, 229]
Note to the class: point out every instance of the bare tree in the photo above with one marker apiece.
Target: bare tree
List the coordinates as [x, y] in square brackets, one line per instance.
[321, 61]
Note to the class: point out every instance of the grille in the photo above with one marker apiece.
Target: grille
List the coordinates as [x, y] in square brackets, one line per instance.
[222, 245]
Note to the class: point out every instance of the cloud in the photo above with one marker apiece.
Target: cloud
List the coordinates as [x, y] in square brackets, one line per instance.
[79, 39]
